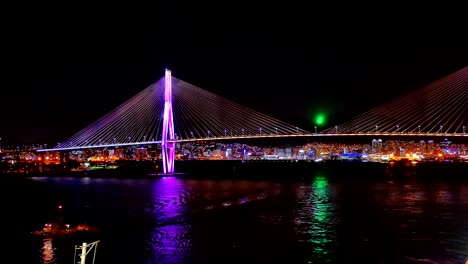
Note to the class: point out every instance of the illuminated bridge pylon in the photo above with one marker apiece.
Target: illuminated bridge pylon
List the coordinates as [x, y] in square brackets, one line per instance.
[171, 111]
[167, 143]
[436, 109]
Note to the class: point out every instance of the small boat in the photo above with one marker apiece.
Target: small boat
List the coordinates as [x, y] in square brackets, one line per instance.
[57, 228]
[54, 229]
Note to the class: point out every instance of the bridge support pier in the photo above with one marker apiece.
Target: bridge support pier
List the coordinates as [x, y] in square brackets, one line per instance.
[168, 157]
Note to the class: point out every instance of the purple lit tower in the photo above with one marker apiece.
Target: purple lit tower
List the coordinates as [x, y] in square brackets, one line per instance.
[167, 144]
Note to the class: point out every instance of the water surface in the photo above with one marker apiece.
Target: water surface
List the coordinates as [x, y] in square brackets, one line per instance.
[172, 220]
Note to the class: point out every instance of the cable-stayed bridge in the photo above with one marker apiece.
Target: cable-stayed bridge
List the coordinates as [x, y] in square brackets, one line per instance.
[438, 109]
[172, 110]
[195, 114]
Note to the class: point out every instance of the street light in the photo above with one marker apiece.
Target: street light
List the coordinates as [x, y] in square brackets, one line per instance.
[397, 126]
[315, 129]
[440, 129]
[260, 130]
[242, 132]
[276, 130]
[225, 132]
[208, 133]
[464, 127]
[336, 129]
[419, 127]
[297, 130]
[376, 129]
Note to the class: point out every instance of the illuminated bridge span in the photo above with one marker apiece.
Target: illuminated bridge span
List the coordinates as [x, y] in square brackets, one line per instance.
[172, 110]
[439, 108]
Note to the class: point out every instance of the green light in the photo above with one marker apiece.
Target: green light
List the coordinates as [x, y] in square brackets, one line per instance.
[320, 119]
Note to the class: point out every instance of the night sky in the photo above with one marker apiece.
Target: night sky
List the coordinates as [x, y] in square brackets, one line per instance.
[62, 72]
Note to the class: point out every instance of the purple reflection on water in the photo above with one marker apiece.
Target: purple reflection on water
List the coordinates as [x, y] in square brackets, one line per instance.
[169, 240]
[170, 244]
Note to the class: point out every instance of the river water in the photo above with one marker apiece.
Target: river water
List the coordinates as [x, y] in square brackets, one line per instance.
[174, 220]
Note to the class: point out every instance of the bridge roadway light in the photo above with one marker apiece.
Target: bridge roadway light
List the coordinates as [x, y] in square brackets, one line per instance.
[419, 127]
[336, 129]
[464, 127]
[397, 126]
[376, 129]
[225, 132]
[315, 129]
[297, 130]
[276, 130]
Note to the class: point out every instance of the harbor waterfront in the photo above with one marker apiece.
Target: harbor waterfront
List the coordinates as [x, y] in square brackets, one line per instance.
[316, 218]
[269, 170]
[239, 159]
[211, 181]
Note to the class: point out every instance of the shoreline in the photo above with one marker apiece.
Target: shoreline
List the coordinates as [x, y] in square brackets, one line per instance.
[274, 169]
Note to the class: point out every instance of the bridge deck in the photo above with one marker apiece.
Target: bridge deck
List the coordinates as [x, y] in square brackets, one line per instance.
[391, 134]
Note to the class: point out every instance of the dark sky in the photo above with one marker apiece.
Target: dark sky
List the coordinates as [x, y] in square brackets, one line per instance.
[63, 70]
